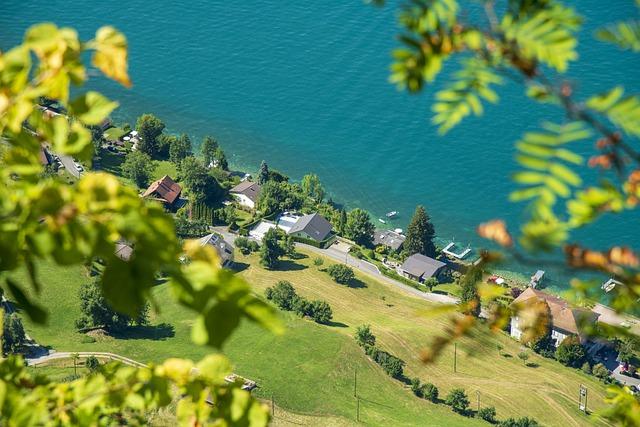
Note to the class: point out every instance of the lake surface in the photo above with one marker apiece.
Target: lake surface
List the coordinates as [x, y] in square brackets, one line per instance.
[304, 86]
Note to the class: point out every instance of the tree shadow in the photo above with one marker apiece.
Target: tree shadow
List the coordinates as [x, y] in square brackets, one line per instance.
[336, 324]
[532, 365]
[362, 399]
[158, 332]
[506, 355]
[239, 266]
[356, 283]
[299, 255]
[288, 265]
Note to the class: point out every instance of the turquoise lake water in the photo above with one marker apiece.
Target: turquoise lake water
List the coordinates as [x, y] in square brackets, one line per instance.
[304, 86]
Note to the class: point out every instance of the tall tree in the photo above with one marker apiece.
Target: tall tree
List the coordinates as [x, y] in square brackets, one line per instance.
[420, 234]
[201, 185]
[164, 143]
[180, 149]
[469, 297]
[312, 187]
[221, 159]
[13, 335]
[270, 251]
[342, 222]
[208, 150]
[263, 175]
[138, 167]
[149, 128]
[359, 227]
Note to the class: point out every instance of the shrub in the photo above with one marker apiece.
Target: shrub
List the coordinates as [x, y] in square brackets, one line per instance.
[586, 368]
[364, 336]
[318, 261]
[301, 306]
[600, 371]
[86, 339]
[341, 273]
[430, 392]
[244, 245]
[488, 414]
[519, 422]
[416, 387]
[458, 400]
[391, 364]
[570, 352]
[92, 363]
[321, 311]
[282, 294]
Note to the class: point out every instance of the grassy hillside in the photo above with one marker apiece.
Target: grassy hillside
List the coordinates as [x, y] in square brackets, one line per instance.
[310, 370]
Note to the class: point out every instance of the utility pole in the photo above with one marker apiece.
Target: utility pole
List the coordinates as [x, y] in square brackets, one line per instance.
[357, 409]
[455, 356]
[355, 383]
[273, 408]
[478, 396]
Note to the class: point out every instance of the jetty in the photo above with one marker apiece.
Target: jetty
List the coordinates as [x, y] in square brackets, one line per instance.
[449, 250]
[536, 279]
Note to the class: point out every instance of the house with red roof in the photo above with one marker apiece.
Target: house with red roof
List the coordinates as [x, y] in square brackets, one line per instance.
[164, 190]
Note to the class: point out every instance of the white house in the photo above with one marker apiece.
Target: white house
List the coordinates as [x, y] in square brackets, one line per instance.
[222, 247]
[565, 320]
[246, 193]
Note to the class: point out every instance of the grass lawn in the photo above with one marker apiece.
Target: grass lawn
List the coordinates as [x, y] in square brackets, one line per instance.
[164, 167]
[114, 133]
[310, 370]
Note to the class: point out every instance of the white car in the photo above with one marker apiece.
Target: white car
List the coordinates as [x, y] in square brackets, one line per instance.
[78, 166]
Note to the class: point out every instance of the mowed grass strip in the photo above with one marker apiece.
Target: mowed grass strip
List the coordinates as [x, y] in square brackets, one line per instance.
[310, 370]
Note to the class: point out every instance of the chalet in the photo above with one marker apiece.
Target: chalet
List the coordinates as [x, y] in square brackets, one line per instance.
[44, 156]
[388, 238]
[222, 247]
[164, 190]
[312, 226]
[420, 267]
[246, 193]
[565, 320]
[124, 250]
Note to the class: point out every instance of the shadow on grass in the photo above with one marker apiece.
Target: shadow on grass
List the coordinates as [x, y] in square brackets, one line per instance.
[336, 324]
[288, 265]
[239, 266]
[299, 255]
[506, 355]
[158, 332]
[356, 283]
[532, 365]
[362, 399]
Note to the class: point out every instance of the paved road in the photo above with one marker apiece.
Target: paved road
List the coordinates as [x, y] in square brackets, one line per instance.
[57, 355]
[67, 162]
[363, 266]
[625, 379]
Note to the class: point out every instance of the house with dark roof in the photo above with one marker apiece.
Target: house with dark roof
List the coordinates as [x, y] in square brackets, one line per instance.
[164, 190]
[421, 267]
[223, 248]
[565, 320]
[44, 156]
[388, 238]
[312, 226]
[246, 193]
[124, 250]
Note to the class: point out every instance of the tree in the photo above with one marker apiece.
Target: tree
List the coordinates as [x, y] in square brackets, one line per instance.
[430, 392]
[312, 187]
[600, 371]
[458, 400]
[96, 311]
[138, 167]
[430, 283]
[202, 187]
[180, 149]
[321, 311]
[420, 234]
[92, 363]
[278, 197]
[626, 349]
[270, 251]
[13, 335]
[288, 246]
[164, 143]
[570, 352]
[282, 294]
[277, 176]
[149, 128]
[523, 355]
[359, 227]
[220, 159]
[469, 297]
[340, 273]
[342, 223]
[364, 336]
[416, 387]
[586, 368]
[488, 414]
[208, 150]
[519, 422]
[263, 175]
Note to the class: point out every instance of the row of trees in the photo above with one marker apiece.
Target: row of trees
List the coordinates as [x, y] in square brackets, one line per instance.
[13, 335]
[391, 364]
[285, 297]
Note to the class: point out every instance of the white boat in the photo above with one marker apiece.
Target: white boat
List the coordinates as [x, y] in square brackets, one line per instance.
[382, 220]
[392, 214]
[398, 230]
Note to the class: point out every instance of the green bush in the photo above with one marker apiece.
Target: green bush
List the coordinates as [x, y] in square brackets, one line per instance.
[92, 363]
[86, 339]
[488, 414]
[430, 392]
[364, 336]
[416, 387]
[519, 422]
[282, 294]
[318, 261]
[586, 368]
[600, 371]
[458, 400]
[340, 273]
[570, 352]
[320, 311]
[391, 364]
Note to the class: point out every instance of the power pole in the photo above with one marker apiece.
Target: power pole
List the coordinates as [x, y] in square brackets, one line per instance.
[357, 409]
[478, 396]
[355, 383]
[455, 356]
[273, 408]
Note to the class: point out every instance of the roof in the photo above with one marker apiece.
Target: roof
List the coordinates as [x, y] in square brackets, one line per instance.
[44, 156]
[419, 265]
[563, 316]
[124, 250]
[247, 188]
[388, 238]
[166, 188]
[314, 225]
[222, 247]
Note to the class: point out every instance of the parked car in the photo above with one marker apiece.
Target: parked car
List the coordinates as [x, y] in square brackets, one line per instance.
[78, 166]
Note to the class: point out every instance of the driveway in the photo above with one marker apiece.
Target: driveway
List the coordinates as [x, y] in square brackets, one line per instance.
[625, 379]
[67, 162]
[340, 254]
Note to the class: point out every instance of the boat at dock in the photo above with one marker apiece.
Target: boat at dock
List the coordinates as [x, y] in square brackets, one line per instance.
[382, 220]
[392, 214]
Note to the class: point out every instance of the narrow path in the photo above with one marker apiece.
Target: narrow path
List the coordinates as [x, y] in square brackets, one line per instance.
[83, 355]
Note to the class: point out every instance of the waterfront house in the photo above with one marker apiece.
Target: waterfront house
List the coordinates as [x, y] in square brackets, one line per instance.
[388, 238]
[222, 247]
[421, 267]
[565, 320]
[164, 190]
[312, 226]
[246, 193]
[124, 250]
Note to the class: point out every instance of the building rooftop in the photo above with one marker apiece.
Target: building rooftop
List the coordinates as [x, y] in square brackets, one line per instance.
[419, 265]
[165, 188]
[388, 238]
[222, 247]
[247, 188]
[314, 225]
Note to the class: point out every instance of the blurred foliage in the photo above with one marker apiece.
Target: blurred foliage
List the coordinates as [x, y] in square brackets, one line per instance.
[533, 43]
[42, 218]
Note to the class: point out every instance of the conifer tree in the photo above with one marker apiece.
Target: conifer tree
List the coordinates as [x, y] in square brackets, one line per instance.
[420, 234]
